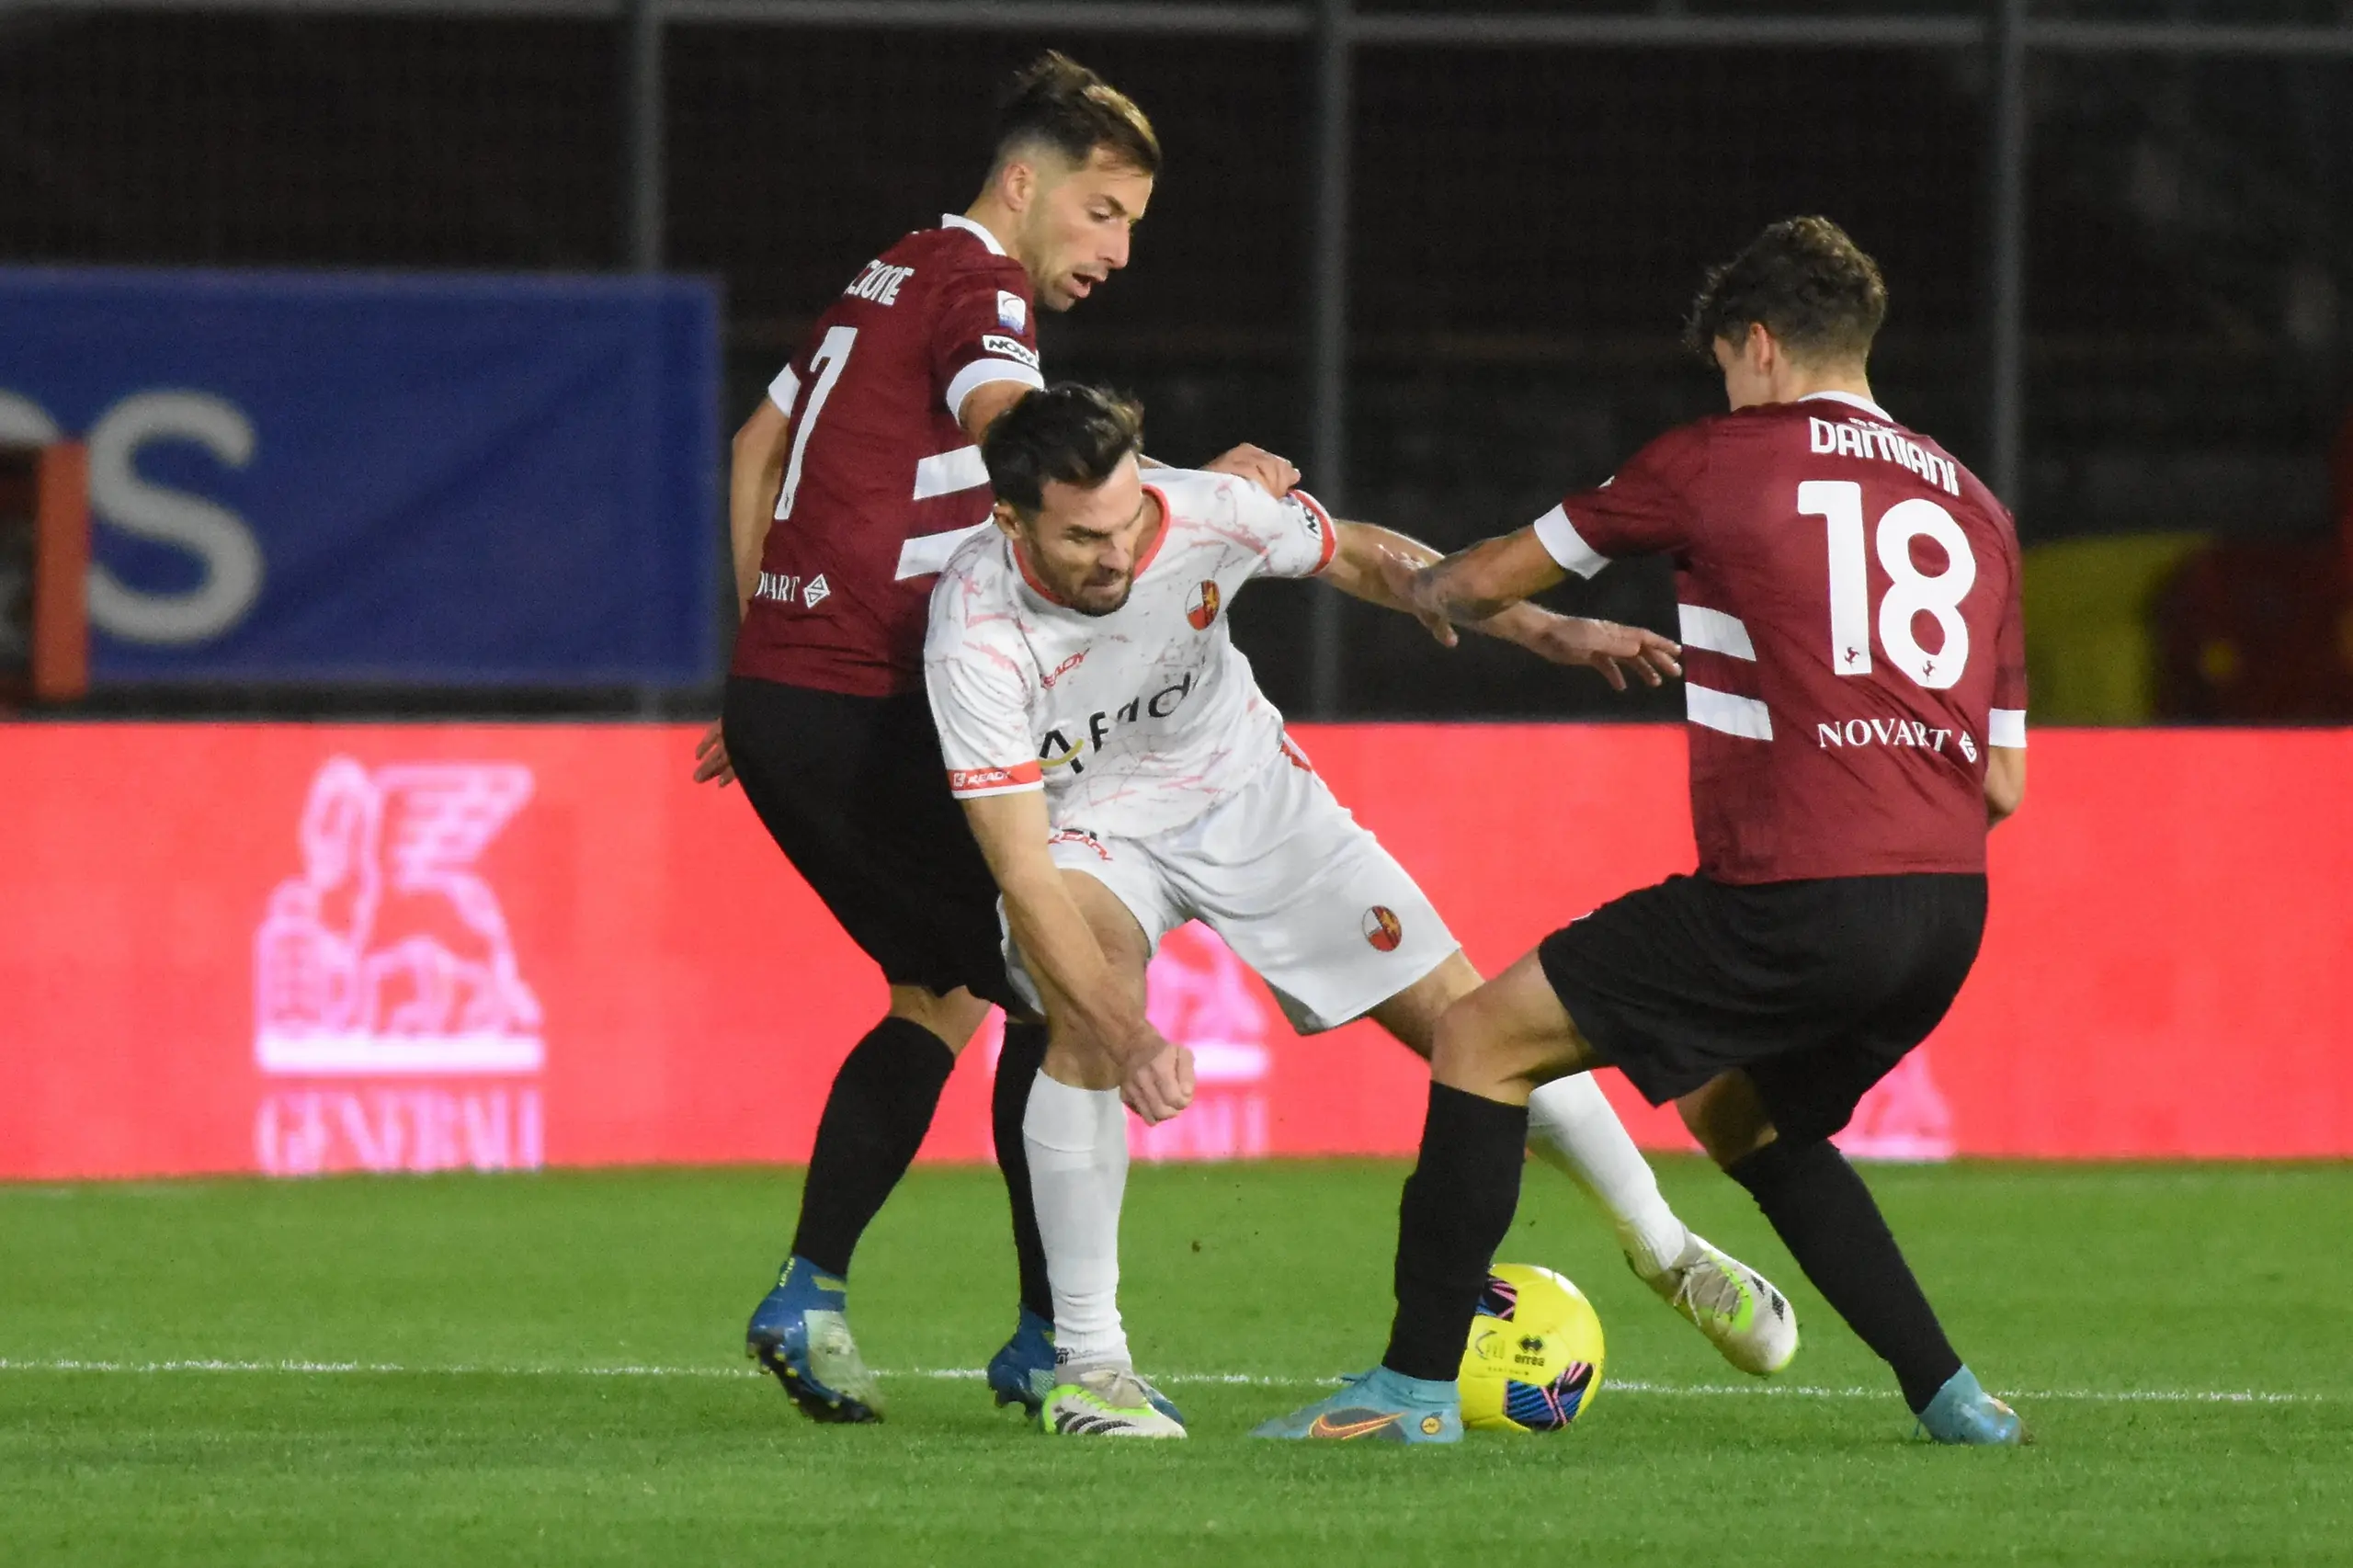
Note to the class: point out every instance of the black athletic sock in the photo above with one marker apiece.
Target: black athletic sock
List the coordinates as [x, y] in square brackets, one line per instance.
[1458, 1204]
[1016, 1069]
[1825, 1216]
[875, 1117]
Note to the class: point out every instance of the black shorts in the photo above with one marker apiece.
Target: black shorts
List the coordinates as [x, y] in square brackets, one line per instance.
[1816, 989]
[853, 790]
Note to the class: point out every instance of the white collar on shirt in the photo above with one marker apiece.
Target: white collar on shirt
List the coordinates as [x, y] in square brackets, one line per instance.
[957, 220]
[1866, 404]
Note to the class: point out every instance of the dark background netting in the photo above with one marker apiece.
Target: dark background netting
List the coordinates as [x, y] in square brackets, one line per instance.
[1528, 226]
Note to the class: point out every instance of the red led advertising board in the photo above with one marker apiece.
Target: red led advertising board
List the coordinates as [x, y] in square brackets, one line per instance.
[295, 948]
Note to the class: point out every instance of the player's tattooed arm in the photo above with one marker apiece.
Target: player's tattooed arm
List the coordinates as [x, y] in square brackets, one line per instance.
[1480, 583]
[1386, 568]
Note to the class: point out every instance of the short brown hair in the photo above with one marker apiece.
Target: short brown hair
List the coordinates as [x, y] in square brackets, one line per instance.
[1069, 433]
[1806, 282]
[1056, 101]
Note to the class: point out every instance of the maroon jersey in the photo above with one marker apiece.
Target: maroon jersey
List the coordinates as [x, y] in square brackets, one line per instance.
[881, 482]
[1851, 633]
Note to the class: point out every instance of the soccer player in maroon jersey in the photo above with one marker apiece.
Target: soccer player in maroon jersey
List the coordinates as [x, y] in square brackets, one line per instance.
[852, 483]
[1856, 682]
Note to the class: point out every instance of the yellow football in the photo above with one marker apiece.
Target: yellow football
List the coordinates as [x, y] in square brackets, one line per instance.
[1534, 1360]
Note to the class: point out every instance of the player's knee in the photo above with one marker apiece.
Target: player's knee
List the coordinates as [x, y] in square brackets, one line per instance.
[954, 1017]
[1728, 1119]
[1462, 1044]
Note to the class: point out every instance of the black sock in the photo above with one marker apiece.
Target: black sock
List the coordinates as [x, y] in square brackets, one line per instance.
[1458, 1204]
[1825, 1216]
[875, 1117]
[1016, 1069]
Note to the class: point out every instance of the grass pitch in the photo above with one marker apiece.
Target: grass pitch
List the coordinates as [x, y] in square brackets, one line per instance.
[547, 1369]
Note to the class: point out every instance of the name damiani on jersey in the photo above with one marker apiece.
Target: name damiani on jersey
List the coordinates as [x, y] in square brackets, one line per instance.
[1057, 750]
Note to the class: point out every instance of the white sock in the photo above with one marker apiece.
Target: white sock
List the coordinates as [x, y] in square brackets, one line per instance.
[1571, 1128]
[1077, 1142]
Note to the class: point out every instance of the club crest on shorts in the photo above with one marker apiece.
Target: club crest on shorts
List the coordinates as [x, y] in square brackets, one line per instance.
[1382, 928]
[1203, 609]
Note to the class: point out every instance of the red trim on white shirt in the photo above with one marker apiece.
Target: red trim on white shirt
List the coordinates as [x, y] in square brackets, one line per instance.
[971, 781]
[1161, 536]
[1331, 531]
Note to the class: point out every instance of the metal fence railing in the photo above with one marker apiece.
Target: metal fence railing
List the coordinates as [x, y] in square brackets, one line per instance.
[1436, 254]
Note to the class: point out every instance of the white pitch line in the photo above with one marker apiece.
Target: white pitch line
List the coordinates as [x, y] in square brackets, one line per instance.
[1236, 1380]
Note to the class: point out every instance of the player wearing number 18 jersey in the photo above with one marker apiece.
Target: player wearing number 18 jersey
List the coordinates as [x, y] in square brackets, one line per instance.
[1856, 689]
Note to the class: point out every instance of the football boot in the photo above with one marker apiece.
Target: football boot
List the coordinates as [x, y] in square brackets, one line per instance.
[1964, 1412]
[1749, 1322]
[800, 1332]
[1379, 1407]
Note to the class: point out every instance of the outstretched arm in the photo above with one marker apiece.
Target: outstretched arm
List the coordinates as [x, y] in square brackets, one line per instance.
[1475, 584]
[1384, 567]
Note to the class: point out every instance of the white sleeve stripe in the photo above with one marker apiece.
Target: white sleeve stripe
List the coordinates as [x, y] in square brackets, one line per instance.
[1713, 631]
[2005, 727]
[926, 555]
[979, 373]
[1721, 710]
[944, 473]
[785, 390]
[1564, 544]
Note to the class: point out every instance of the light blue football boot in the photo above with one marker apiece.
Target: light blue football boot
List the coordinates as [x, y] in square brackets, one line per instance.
[1964, 1412]
[801, 1332]
[1379, 1407]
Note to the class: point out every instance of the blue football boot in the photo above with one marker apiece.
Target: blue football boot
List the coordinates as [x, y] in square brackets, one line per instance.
[1379, 1407]
[1964, 1412]
[801, 1332]
[1026, 1373]
[1022, 1371]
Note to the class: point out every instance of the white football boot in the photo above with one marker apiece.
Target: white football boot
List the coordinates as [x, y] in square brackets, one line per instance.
[1108, 1401]
[1742, 1315]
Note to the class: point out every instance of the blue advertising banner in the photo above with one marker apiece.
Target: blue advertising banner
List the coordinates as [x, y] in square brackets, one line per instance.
[309, 478]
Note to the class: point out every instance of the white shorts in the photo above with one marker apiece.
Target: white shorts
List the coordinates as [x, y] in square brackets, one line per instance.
[1294, 885]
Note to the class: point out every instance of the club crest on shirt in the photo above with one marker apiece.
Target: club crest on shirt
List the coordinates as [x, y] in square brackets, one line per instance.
[1203, 609]
[1382, 928]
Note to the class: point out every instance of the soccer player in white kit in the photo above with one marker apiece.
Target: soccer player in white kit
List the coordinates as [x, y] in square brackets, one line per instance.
[1122, 775]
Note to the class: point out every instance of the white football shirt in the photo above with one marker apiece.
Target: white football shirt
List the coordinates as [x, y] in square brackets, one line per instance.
[1135, 723]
